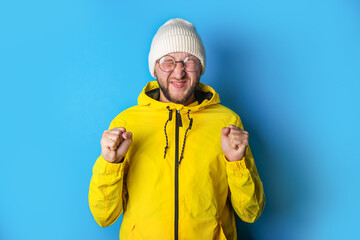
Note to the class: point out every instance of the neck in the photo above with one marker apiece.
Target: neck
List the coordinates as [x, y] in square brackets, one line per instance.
[190, 100]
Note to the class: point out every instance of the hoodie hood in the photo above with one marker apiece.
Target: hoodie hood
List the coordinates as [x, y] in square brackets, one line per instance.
[204, 95]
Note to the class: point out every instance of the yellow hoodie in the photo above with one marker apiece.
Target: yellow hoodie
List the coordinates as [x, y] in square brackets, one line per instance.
[175, 182]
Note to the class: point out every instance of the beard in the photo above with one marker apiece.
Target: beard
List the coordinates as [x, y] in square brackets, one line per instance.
[164, 88]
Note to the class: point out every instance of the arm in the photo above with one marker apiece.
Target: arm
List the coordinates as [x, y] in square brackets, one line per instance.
[107, 191]
[246, 189]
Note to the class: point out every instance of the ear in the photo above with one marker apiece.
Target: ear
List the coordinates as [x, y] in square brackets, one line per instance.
[155, 70]
[199, 74]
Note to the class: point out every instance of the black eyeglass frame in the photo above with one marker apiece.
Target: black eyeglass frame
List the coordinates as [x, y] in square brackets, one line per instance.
[176, 62]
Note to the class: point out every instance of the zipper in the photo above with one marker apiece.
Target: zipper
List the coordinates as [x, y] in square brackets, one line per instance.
[177, 126]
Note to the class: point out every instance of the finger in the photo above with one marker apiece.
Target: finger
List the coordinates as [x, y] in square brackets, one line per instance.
[115, 137]
[235, 127]
[122, 129]
[237, 130]
[108, 143]
[124, 146]
[241, 148]
[225, 131]
[127, 135]
[238, 139]
[116, 132]
[238, 134]
[238, 146]
[234, 133]
[234, 141]
[119, 130]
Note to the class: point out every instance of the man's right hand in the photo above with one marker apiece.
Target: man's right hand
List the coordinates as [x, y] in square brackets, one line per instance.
[115, 143]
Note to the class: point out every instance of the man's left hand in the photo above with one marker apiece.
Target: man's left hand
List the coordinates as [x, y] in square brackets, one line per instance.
[234, 142]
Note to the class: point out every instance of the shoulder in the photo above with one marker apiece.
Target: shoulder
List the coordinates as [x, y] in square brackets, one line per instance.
[222, 110]
[225, 114]
[122, 119]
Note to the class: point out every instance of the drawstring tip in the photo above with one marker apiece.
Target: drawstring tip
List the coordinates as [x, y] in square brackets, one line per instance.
[165, 152]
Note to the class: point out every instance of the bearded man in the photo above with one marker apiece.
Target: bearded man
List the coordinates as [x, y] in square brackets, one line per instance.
[178, 164]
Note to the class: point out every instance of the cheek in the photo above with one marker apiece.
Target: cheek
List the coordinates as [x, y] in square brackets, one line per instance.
[157, 72]
[161, 76]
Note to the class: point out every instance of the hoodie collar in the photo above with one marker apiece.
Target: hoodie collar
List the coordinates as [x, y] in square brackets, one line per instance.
[205, 96]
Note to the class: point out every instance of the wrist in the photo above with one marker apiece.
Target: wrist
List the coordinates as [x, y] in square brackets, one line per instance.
[110, 159]
[240, 158]
[120, 160]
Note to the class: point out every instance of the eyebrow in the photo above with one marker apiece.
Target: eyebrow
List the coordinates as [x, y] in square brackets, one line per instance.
[190, 55]
[170, 54]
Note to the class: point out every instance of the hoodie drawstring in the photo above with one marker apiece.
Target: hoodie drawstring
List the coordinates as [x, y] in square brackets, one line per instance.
[169, 119]
[189, 128]
[166, 137]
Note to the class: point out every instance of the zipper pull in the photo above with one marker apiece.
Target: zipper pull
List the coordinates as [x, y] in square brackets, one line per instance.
[178, 118]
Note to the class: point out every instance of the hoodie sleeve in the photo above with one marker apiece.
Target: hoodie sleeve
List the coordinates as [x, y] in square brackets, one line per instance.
[246, 189]
[107, 191]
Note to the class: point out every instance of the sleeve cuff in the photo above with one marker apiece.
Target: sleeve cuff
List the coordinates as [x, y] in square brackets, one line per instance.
[236, 167]
[105, 167]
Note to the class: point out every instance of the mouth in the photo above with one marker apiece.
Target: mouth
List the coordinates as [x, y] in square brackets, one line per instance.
[178, 84]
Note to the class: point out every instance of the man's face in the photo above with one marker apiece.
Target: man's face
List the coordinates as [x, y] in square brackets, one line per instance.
[177, 86]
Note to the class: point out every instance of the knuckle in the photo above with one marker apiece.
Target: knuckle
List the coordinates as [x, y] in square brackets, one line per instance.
[119, 132]
[235, 130]
[119, 129]
[112, 131]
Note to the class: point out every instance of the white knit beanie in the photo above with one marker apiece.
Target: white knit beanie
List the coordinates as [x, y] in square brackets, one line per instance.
[176, 35]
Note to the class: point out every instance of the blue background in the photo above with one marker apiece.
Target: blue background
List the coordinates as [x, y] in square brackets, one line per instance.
[290, 69]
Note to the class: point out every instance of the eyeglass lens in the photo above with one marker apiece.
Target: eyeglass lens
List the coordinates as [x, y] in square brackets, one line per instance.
[168, 64]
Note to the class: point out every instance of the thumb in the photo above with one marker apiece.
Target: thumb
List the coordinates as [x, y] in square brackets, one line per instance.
[225, 142]
[125, 144]
[225, 131]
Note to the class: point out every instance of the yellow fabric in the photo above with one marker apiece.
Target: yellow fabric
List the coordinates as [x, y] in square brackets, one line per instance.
[142, 187]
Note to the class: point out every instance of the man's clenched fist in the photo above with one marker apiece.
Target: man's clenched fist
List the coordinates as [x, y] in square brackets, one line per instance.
[234, 141]
[115, 143]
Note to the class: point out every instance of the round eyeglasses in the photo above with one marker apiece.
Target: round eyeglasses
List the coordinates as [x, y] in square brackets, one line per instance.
[167, 63]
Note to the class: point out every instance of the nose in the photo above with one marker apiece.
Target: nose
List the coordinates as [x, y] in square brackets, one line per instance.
[179, 70]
